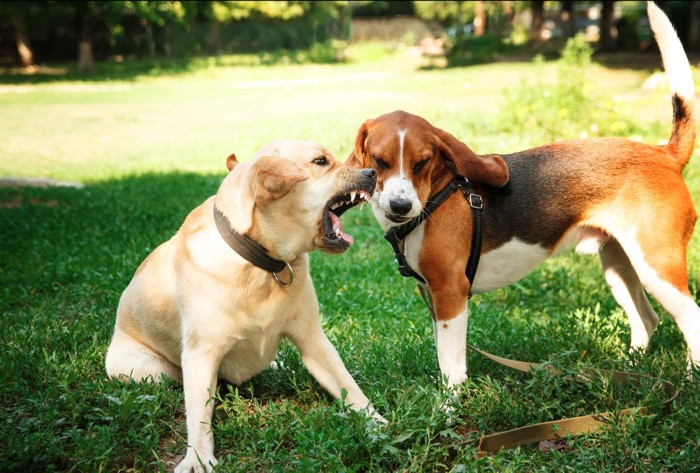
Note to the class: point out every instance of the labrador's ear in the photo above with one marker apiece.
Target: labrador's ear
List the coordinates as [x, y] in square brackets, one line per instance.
[273, 177]
[231, 162]
[490, 169]
[357, 157]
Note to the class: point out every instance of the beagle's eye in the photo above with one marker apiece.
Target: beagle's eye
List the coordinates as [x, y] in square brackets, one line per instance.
[321, 161]
[418, 167]
[381, 163]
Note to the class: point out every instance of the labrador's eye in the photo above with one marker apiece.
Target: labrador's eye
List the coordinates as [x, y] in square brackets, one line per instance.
[418, 167]
[381, 163]
[321, 161]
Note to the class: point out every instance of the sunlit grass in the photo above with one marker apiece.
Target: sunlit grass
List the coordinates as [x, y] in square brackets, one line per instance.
[191, 122]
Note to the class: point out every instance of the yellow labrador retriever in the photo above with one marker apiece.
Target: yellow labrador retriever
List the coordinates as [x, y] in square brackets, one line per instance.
[215, 300]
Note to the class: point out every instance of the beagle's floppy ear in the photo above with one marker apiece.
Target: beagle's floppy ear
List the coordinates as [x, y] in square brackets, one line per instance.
[272, 178]
[231, 162]
[356, 158]
[490, 169]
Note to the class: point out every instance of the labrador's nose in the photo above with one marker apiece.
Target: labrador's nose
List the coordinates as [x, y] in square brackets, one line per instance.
[400, 205]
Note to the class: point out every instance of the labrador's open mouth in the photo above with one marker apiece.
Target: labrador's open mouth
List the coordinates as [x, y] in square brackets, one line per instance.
[334, 238]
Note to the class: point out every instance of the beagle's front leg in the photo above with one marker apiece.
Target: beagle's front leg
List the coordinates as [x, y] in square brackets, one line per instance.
[451, 316]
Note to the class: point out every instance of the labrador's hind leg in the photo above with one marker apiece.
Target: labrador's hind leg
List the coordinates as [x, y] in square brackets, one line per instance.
[127, 358]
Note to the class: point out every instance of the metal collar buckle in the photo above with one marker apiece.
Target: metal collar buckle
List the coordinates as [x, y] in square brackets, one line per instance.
[291, 276]
[475, 201]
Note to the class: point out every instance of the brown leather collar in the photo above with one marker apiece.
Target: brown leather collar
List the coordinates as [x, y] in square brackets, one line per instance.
[250, 250]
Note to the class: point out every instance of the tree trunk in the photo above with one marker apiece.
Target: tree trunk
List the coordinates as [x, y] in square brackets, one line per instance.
[509, 14]
[694, 26]
[537, 20]
[167, 50]
[86, 58]
[26, 56]
[479, 19]
[85, 22]
[213, 41]
[568, 22]
[607, 24]
[24, 50]
[151, 40]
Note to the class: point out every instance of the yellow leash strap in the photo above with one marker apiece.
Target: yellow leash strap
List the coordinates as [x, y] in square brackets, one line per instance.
[556, 429]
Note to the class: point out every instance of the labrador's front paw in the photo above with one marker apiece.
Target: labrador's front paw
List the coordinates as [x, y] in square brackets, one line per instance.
[192, 463]
[379, 419]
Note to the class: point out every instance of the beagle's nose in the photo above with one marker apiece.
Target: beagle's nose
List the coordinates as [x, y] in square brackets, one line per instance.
[400, 206]
[369, 173]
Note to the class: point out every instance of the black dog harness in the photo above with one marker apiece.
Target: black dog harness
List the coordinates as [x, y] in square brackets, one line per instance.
[551, 430]
[397, 235]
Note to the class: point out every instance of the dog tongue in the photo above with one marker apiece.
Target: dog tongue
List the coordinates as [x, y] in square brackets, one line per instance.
[338, 228]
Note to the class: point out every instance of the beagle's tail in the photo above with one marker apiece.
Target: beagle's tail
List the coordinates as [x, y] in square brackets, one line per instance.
[680, 80]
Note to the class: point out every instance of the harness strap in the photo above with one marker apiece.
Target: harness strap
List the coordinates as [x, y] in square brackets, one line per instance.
[396, 235]
[477, 205]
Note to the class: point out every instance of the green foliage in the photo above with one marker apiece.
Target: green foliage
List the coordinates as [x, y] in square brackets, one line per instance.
[224, 11]
[374, 8]
[477, 50]
[445, 12]
[571, 107]
[262, 26]
[177, 29]
[450, 13]
[630, 33]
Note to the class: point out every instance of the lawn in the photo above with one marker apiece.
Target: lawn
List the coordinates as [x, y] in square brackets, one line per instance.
[151, 147]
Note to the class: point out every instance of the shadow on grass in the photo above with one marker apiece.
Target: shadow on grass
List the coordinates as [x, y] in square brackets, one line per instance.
[104, 71]
[491, 49]
[129, 70]
[93, 236]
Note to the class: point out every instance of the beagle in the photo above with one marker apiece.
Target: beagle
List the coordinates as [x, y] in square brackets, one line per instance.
[621, 199]
[215, 300]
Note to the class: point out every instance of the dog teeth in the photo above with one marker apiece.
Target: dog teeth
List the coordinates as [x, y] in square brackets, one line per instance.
[361, 203]
[354, 198]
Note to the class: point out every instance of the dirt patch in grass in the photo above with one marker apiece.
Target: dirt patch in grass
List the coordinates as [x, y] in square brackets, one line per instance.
[12, 181]
[16, 198]
[17, 202]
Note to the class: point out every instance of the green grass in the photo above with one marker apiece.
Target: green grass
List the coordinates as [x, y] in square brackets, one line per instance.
[152, 148]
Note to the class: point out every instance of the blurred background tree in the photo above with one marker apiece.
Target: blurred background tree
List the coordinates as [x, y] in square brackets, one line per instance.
[40, 32]
[85, 31]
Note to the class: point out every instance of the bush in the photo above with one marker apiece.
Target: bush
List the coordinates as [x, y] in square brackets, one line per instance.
[477, 50]
[569, 108]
